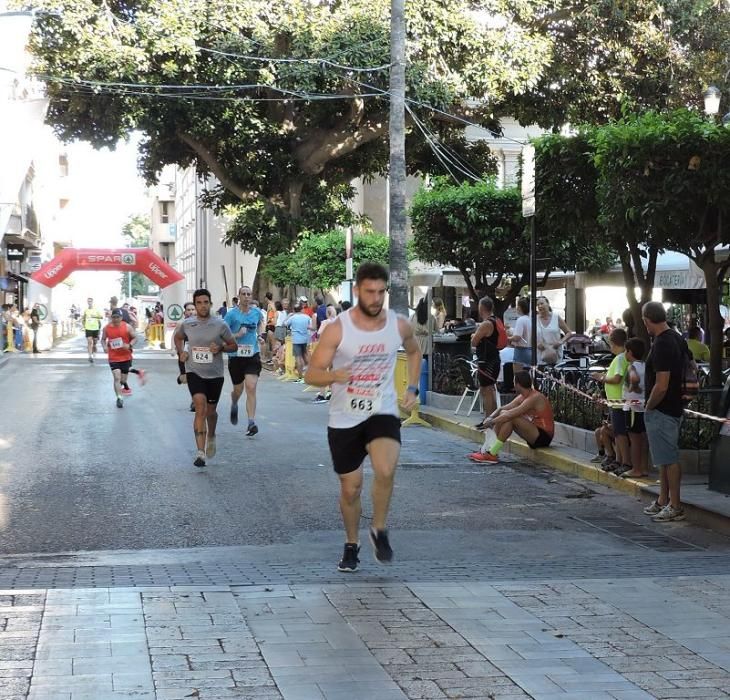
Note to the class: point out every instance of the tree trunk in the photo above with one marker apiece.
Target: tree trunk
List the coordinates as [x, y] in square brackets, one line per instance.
[634, 304]
[634, 276]
[715, 321]
[397, 170]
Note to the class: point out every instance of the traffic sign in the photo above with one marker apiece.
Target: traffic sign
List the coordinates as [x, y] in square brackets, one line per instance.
[174, 312]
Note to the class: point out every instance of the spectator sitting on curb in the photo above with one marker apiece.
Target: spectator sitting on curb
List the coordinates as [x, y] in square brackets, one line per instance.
[604, 441]
[530, 415]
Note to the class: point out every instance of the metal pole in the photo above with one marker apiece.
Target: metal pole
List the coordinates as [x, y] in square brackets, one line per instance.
[533, 292]
[397, 177]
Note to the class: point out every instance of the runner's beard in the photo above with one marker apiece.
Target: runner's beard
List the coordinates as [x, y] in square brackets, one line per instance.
[199, 315]
[373, 310]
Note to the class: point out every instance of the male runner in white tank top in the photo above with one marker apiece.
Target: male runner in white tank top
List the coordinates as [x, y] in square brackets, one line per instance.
[356, 354]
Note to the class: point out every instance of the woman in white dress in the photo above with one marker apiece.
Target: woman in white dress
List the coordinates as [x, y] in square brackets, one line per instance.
[549, 329]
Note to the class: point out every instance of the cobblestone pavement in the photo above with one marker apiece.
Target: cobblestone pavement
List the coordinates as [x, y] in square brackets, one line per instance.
[142, 578]
[563, 639]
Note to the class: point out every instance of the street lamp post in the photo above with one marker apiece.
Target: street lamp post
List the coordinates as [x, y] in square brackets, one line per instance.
[712, 96]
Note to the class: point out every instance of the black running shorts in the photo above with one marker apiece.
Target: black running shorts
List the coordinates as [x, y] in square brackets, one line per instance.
[542, 440]
[487, 372]
[92, 334]
[123, 366]
[348, 446]
[210, 387]
[239, 367]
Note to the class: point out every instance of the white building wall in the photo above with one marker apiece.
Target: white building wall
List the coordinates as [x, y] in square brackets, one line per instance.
[201, 256]
[371, 198]
[163, 222]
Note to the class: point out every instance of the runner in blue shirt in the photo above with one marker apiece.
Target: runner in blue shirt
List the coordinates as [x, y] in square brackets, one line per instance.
[301, 327]
[244, 365]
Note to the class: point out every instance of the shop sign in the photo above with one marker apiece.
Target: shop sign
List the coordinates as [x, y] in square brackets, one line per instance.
[15, 252]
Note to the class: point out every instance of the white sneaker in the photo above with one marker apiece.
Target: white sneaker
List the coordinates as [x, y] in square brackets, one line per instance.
[210, 447]
[653, 509]
[669, 514]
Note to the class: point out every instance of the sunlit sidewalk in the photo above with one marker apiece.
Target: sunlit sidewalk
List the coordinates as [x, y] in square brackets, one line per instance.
[621, 639]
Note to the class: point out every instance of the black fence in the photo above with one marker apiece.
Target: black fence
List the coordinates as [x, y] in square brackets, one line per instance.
[583, 408]
[586, 411]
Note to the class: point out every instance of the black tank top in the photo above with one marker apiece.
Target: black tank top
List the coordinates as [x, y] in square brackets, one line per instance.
[487, 347]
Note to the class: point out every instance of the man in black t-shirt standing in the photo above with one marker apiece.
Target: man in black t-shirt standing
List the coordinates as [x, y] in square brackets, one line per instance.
[664, 409]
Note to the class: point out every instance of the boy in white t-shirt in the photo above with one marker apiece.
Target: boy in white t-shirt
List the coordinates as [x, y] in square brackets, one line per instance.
[633, 394]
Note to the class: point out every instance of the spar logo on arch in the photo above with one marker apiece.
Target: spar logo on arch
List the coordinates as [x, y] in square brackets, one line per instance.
[111, 259]
[143, 260]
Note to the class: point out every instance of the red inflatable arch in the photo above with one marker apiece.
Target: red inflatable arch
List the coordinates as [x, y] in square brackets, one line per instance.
[141, 260]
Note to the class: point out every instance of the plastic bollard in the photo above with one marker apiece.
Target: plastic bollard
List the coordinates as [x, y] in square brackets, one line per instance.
[423, 383]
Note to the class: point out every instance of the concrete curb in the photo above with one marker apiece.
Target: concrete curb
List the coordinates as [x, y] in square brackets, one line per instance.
[546, 457]
[5, 358]
[642, 489]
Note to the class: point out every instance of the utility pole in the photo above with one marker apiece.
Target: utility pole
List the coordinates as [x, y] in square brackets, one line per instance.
[397, 203]
[528, 211]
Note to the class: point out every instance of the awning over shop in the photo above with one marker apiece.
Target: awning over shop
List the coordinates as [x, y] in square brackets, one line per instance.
[420, 275]
[673, 271]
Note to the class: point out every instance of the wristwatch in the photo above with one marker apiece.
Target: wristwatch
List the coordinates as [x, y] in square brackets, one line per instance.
[412, 389]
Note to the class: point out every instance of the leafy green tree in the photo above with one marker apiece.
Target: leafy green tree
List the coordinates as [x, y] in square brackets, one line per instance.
[258, 111]
[136, 231]
[479, 230]
[566, 186]
[610, 55]
[318, 261]
[663, 183]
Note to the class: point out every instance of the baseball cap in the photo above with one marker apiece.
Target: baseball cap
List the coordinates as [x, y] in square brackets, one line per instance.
[302, 298]
[116, 312]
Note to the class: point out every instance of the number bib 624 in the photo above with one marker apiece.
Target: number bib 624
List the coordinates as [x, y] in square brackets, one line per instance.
[202, 356]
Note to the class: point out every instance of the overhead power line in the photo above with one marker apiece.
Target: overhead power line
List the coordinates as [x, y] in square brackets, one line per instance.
[309, 61]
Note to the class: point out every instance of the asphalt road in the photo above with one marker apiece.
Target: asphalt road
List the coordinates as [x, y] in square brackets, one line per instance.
[78, 474]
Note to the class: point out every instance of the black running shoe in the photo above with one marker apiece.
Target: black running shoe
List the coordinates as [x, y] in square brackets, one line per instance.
[381, 545]
[120, 403]
[199, 459]
[349, 559]
[252, 430]
[234, 414]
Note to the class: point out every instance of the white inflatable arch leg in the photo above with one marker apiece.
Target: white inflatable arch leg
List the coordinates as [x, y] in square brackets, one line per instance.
[173, 301]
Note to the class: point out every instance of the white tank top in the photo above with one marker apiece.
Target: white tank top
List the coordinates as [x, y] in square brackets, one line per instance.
[372, 356]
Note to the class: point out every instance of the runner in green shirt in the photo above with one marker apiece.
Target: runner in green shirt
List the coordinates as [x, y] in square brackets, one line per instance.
[91, 321]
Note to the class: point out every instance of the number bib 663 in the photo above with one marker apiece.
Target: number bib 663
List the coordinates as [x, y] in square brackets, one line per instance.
[363, 406]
